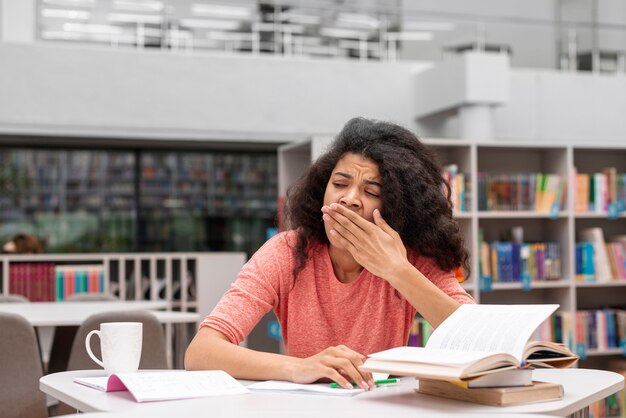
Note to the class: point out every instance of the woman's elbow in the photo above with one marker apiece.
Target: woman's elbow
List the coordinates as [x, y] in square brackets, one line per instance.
[199, 354]
[192, 354]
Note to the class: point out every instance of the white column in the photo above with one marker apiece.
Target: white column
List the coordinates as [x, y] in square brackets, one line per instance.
[18, 21]
[476, 121]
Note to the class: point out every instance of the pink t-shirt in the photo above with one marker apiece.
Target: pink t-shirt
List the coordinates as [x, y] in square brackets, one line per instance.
[316, 310]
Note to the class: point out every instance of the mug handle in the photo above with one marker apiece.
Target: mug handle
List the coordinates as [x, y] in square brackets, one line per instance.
[88, 347]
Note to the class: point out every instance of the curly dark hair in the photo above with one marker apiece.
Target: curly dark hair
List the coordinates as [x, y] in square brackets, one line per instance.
[414, 202]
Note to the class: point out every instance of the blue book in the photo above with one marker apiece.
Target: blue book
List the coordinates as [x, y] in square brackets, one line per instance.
[515, 262]
[579, 262]
[589, 270]
[609, 319]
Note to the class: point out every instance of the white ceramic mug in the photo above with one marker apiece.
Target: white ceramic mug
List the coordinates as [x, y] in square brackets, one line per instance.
[120, 344]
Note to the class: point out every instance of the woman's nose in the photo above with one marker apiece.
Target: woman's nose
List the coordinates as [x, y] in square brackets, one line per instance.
[350, 199]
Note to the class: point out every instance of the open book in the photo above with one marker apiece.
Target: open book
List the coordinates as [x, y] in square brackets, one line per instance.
[148, 385]
[474, 341]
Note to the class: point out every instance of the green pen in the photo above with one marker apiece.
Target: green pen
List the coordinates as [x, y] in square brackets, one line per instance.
[376, 382]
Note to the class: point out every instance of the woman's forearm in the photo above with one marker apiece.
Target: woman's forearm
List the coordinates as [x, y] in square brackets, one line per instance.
[210, 350]
[430, 301]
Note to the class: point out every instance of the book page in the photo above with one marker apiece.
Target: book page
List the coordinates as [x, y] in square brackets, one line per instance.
[157, 386]
[430, 356]
[99, 382]
[310, 389]
[491, 328]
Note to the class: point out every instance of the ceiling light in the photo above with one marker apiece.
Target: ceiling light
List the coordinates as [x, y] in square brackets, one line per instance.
[220, 11]
[92, 28]
[356, 20]
[428, 26]
[57, 34]
[134, 18]
[75, 3]
[409, 36]
[229, 36]
[210, 24]
[65, 14]
[342, 33]
[295, 16]
[138, 6]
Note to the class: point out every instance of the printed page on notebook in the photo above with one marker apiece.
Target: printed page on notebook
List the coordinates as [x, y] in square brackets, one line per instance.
[311, 388]
[299, 388]
[147, 386]
[490, 328]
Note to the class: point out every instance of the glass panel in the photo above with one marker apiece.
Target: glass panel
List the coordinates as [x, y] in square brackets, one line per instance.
[75, 201]
[206, 201]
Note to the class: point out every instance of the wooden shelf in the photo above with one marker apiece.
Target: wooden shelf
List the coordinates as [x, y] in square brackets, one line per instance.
[518, 215]
[547, 284]
[615, 283]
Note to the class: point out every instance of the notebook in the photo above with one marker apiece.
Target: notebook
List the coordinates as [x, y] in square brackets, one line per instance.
[148, 386]
[305, 389]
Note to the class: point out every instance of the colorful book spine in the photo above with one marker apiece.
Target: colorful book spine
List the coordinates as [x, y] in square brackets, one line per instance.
[32, 280]
[74, 279]
[521, 191]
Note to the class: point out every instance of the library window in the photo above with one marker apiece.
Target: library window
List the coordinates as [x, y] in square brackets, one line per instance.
[138, 200]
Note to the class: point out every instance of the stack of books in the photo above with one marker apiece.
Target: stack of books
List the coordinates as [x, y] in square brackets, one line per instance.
[482, 354]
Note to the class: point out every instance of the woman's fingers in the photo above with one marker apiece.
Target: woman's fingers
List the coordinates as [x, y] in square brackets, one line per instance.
[348, 370]
[341, 228]
[357, 360]
[340, 364]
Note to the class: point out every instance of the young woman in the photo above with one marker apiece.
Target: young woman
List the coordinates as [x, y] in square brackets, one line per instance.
[371, 241]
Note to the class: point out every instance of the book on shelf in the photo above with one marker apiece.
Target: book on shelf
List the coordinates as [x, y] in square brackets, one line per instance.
[148, 386]
[505, 261]
[524, 191]
[35, 281]
[497, 396]
[458, 184]
[79, 278]
[595, 192]
[550, 191]
[600, 256]
[477, 340]
[600, 329]
[581, 195]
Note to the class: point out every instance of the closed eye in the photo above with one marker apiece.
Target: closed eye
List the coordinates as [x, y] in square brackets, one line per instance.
[339, 185]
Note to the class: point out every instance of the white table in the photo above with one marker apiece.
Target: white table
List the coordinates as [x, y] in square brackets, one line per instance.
[53, 314]
[582, 387]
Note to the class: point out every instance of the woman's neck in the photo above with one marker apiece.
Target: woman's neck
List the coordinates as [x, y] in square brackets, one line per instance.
[345, 267]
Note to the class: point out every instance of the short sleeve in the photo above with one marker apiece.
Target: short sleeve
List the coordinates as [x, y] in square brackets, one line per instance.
[256, 290]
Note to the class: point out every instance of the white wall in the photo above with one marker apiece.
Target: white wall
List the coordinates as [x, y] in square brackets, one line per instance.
[551, 105]
[17, 20]
[548, 105]
[153, 94]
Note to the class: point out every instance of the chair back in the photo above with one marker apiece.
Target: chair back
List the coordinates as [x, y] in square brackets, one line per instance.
[20, 370]
[13, 298]
[153, 353]
[64, 335]
[90, 297]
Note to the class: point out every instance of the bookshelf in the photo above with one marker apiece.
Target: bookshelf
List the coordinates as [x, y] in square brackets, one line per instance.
[187, 281]
[561, 225]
